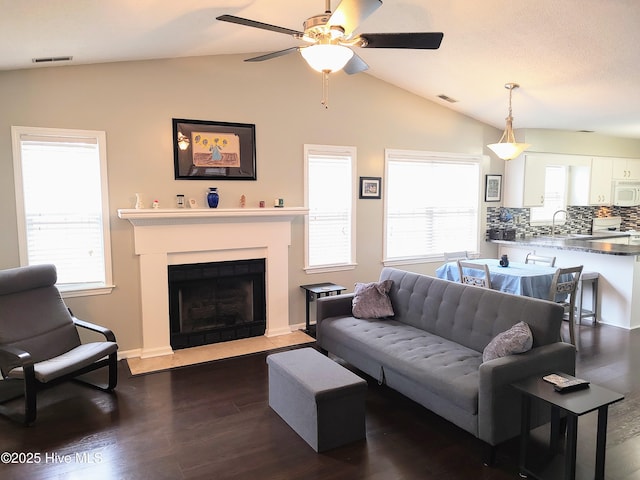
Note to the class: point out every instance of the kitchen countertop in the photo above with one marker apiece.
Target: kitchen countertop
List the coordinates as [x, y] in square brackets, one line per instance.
[585, 243]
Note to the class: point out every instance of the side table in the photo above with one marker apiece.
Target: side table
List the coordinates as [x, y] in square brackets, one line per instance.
[573, 404]
[317, 290]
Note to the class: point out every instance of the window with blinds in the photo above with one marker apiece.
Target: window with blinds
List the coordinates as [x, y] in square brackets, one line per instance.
[61, 197]
[555, 195]
[330, 232]
[431, 205]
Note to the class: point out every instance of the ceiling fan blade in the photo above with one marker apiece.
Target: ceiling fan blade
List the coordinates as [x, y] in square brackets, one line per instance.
[264, 26]
[355, 65]
[271, 55]
[350, 13]
[418, 40]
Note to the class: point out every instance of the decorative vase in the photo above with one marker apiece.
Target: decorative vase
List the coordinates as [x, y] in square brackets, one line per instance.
[504, 261]
[213, 197]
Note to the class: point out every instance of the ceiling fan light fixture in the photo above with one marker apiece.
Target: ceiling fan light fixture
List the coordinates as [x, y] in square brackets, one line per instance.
[507, 148]
[327, 57]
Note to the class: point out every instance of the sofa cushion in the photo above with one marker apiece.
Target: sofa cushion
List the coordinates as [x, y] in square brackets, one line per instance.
[518, 339]
[469, 316]
[445, 368]
[371, 300]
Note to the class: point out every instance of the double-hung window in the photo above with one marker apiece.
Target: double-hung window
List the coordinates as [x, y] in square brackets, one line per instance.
[62, 207]
[329, 192]
[431, 205]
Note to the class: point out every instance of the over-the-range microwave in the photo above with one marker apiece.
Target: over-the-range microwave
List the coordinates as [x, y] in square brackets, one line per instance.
[626, 194]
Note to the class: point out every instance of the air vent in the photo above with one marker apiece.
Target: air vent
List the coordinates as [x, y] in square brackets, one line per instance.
[51, 59]
[447, 98]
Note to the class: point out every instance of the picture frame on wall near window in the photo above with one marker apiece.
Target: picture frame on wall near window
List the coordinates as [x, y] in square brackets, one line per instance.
[370, 187]
[206, 150]
[493, 188]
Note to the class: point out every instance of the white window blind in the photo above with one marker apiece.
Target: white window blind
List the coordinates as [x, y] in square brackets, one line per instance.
[431, 205]
[61, 198]
[329, 181]
[555, 195]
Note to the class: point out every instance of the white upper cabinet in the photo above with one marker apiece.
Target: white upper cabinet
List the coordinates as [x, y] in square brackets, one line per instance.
[524, 184]
[626, 169]
[590, 184]
[524, 181]
[600, 181]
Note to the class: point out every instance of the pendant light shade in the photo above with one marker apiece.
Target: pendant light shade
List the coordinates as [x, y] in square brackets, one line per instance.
[507, 148]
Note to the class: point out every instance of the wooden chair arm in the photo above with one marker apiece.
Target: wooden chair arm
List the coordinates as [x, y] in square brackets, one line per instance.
[108, 334]
[12, 357]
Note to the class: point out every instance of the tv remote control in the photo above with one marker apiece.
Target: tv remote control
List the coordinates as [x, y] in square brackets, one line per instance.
[571, 385]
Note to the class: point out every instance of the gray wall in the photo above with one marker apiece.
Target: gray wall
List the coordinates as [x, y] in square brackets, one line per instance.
[134, 103]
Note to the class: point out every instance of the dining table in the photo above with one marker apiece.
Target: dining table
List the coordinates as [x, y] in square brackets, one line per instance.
[526, 279]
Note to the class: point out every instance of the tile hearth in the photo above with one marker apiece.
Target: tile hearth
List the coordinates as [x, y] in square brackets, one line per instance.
[216, 351]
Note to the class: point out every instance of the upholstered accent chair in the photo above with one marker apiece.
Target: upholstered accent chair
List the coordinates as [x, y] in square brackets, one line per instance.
[39, 341]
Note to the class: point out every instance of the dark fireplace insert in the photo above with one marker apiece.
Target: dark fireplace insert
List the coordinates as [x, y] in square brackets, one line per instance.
[216, 302]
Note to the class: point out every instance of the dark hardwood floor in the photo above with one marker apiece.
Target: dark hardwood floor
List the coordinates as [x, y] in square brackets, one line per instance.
[212, 421]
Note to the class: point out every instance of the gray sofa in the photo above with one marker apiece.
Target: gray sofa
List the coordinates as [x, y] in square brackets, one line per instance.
[431, 350]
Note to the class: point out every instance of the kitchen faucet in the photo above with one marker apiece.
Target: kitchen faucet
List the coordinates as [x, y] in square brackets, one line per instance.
[553, 220]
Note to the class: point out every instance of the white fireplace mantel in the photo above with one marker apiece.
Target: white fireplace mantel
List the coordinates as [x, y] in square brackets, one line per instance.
[169, 216]
[164, 237]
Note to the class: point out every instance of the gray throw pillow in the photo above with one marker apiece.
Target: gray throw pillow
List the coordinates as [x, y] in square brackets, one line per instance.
[371, 300]
[518, 339]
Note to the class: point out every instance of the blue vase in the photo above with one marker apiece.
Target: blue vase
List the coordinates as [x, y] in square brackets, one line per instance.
[213, 197]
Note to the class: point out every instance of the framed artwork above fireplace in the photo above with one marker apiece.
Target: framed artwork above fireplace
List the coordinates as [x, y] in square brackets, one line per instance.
[207, 150]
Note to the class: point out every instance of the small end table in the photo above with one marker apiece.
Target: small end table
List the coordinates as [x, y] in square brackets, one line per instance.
[317, 290]
[573, 404]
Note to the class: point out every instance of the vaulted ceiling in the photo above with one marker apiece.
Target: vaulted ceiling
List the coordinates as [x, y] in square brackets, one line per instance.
[577, 61]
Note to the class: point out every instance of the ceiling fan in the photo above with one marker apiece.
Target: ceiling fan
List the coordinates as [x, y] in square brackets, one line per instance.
[330, 37]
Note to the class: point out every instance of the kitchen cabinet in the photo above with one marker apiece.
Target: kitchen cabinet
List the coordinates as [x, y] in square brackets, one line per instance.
[525, 177]
[524, 181]
[591, 185]
[626, 169]
[600, 181]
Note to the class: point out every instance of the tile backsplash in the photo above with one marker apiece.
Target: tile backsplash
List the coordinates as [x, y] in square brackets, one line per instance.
[580, 218]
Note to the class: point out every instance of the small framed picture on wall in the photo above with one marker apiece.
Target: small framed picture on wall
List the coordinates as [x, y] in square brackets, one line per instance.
[370, 187]
[493, 188]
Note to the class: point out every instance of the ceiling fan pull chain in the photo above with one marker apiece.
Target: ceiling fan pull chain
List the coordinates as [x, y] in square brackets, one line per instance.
[325, 88]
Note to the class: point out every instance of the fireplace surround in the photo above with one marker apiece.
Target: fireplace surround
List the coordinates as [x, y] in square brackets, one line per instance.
[164, 237]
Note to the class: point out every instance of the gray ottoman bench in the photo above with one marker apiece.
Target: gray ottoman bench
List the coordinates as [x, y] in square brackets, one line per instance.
[321, 400]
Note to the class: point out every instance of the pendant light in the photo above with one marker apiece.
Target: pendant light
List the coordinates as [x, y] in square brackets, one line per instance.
[507, 148]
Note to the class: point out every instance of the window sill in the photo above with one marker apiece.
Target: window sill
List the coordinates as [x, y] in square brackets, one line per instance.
[412, 261]
[84, 291]
[330, 268]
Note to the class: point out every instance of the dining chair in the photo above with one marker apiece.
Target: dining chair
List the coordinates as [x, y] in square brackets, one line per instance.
[540, 260]
[481, 280]
[453, 256]
[564, 285]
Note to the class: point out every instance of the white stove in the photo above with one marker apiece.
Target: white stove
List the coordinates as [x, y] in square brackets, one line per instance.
[634, 237]
[606, 225]
[611, 226]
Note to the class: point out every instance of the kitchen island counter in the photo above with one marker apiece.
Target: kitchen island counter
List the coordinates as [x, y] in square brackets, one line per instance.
[617, 265]
[587, 243]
